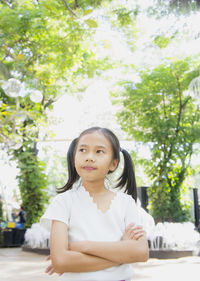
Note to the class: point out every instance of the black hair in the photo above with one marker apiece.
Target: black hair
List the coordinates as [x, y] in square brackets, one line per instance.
[126, 180]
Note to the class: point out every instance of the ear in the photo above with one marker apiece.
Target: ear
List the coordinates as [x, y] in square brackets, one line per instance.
[113, 165]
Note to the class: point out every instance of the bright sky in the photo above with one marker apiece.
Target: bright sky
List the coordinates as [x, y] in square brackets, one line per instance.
[78, 112]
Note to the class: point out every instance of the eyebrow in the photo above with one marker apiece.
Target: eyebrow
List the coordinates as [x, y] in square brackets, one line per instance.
[97, 146]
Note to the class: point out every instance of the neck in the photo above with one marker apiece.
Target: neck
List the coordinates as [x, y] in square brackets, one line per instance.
[94, 187]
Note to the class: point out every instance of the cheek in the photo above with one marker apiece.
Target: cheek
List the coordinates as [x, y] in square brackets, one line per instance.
[76, 160]
[113, 165]
[108, 164]
[77, 167]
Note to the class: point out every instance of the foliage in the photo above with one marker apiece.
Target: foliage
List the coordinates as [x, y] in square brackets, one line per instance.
[56, 169]
[32, 182]
[46, 46]
[179, 7]
[158, 111]
[161, 41]
[49, 49]
[1, 209]
[1, 219]
[19, 119]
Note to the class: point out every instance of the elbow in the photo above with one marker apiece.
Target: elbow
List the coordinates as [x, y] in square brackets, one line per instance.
[59, 263]
[144, 255]
[141, 254]
[66, 262]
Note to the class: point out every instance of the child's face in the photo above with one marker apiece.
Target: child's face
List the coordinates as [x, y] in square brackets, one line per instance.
[94, 157]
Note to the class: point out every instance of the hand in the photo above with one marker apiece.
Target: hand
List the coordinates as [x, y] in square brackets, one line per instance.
[50, 269]
[133, 232]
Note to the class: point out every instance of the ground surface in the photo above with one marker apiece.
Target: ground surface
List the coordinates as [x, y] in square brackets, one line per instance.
[17, 265]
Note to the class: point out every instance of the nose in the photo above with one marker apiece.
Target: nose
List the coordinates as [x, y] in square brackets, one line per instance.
[90, 157]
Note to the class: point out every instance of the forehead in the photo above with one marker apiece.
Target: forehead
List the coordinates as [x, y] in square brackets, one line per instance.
[94, 139]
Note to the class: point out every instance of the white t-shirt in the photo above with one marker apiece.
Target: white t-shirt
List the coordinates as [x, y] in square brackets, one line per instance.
[85, 221]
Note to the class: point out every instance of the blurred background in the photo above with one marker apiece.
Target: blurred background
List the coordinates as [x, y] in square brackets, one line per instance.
[131, 66]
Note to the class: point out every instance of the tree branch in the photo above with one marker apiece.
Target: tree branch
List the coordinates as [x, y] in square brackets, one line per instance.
[69, 9]
[4, 71]
[49, 102]
[179, 117]
[184, 104]
[75, 4]
[8, 4]
[164, 105]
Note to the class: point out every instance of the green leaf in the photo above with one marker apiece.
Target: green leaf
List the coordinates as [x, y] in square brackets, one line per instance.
[161, 41]
[91, 23]
[156, 111]
[87, 12]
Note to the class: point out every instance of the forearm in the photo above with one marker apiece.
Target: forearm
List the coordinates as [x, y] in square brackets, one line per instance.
[71, 261]
[126, 251]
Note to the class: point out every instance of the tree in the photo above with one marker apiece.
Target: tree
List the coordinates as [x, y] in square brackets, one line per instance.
[1, 209]
[48, 48]
[45, 46]
[178, 7]
[32, 182]
[56, 168]
[182, 4]
[159, 111]
[33, 51]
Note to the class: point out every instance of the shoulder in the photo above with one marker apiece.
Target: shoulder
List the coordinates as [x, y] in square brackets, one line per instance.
[67, 193]
[65, 196]
[131, 210]
[127, 202]
[126, 198]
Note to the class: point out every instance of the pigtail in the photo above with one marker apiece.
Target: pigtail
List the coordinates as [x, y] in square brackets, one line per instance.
[72, 173]
[127, 179]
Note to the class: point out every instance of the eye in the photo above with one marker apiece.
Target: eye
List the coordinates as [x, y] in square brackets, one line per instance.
[82, 150]
[99, 151]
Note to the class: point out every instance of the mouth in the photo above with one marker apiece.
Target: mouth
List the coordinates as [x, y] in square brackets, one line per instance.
[88, 168]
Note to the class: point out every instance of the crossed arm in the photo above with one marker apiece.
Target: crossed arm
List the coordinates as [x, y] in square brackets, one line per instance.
[87, 256]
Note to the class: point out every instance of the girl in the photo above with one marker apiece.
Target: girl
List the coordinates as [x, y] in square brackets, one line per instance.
[94, 231]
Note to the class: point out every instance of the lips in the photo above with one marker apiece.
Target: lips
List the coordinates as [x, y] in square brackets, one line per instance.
[88, 168]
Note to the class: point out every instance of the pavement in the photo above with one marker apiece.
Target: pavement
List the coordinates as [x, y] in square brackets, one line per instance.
[18, 265]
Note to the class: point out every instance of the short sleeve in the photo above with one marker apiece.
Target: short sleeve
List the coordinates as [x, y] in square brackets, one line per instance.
[132, 212]
[59, 209]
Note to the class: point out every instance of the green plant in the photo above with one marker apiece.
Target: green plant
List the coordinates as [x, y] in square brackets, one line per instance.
[158, 111]
[32, 182]
[1, 209]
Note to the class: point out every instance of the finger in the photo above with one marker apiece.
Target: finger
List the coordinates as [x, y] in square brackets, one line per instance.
[130, 226]
[137, 231]
[138, 235]
[137, 227]
[48, 268]
[134, 234]
[143, 233]
[129, 231]
[48, 258]
[128, 235]
[51, 271]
